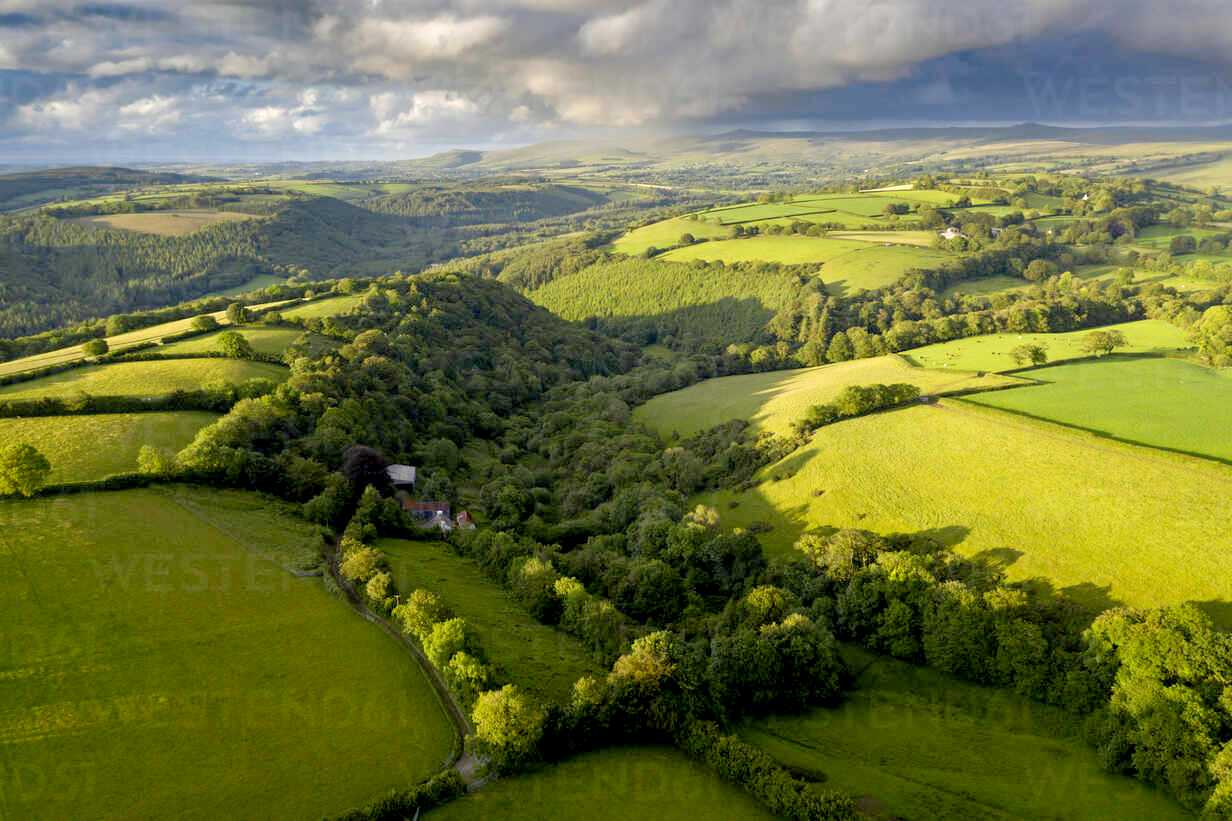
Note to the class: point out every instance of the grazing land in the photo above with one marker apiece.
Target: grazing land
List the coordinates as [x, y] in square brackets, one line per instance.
[666, 234]
[1167, 403]
[93, 446]
[784, 248]
[870, 268]
[774, 400]
[164, 223]
[321, 308]
[531, 655]
[159, 661]
[1116, 523]
[263, 340]
[915, 743]
[147, 378]
[921, 239]
[610, 785]
[992, 353]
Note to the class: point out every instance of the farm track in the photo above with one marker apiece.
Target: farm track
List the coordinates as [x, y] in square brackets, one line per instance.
[465, 762]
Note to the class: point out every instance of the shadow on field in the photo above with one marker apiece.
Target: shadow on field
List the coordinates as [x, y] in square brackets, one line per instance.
[1219, 612]
[727, 317]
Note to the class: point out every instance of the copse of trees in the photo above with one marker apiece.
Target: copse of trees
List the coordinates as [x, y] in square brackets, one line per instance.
[855, 400]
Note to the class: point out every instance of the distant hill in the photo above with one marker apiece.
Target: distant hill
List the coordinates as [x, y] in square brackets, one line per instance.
[30, 188]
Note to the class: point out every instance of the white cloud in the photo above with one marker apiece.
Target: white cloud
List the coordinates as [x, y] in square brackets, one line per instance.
[397, 113]
[153, 115]
[119, 68]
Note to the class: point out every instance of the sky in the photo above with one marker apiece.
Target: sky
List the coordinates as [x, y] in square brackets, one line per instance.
[237, 80]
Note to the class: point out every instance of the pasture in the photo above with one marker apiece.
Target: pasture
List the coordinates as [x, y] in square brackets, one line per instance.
[159, 661]
[772, 401]
[148, 378]
[321, 308]
[531, 655]
[1167, 403]
[609, 785]
[992, 352]
[784, 248]
[263, 340]
[874, 267]
[665, 234]
[164, 223]
[915, 743]
[920, 239]
[93, 446]
[1116, 524]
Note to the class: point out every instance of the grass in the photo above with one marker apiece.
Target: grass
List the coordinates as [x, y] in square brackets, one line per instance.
[87, 447]
[534, 656]
[773, 401]
[921, 239]
[786, 248]
[164, 223]
[609, 785]
[158, 662]
[117, 343]
[257, 283]
[665, 234]
[263, 340]
[321, 308]
[914, 743]
[1167, 403]
[875, 267]
[992, 352]
[1105, 521]
[150, 378]
[1202, 175]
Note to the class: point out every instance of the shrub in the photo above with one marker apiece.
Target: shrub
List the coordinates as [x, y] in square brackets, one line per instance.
[508, 728]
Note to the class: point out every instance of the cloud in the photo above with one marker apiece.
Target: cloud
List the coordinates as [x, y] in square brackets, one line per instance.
[396, 114]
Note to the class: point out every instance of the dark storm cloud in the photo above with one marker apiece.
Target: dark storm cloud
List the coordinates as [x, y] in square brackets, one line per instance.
[392, 74]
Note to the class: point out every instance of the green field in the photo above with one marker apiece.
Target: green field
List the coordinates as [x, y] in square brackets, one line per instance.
[158, 661]
[1107, 521]
[992, 352]
[148, 378]
[913, 743]
[117, 342]
[1168, 403]
[772, 401]
[921, 239]
[92, 446]
[665, 234]
[321, 308]
[534, 656]
[609, 785]
[875, 267]
[788, 249]
[164, 223]
[263, 340]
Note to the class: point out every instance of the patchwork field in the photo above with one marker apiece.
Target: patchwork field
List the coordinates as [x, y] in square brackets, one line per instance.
[117, 343]
[914, 743]
[82, 448]
[921, 239]
[1167, 403]
[164, 223]
[158, 661]
[787, 249]
[609, 785]
[992, 353]
[534, 656]
[321, 308]
[149, 378]
[772, 401]
[263, 340]
[876, 267]
[1115, 525]
[665, 234]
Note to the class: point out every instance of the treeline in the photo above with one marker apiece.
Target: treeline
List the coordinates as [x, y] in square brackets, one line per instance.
[489, 204]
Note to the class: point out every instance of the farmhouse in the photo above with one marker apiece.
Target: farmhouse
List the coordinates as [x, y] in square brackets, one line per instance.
[401, 476]
[429, 514]
[951, 233]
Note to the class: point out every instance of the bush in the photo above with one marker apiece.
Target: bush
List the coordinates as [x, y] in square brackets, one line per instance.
[508, 728]
[402, 804]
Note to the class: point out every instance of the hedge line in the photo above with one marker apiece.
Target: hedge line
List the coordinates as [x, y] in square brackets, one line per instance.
[200, 400]
[409, 803]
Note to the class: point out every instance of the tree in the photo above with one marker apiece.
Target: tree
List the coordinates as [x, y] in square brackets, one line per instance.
[420, 612]
[1183, 244]
[237, 314]
[205, 322]
[508, 727]
[1040, 269]
[361, 564]
[447, 638]
[23, 470]
[840, 348]
[1102, 343]
[1035, 354]
[234, 345]
[687, 239]
[95, 347]
[1213, 335]
[364, 466]
[120, 323]
[154, 461]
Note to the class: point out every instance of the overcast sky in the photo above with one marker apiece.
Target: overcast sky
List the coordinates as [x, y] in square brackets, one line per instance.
[384, 79]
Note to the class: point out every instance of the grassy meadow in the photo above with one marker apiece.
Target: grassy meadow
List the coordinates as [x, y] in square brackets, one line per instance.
[321, 308]
[920, 239]
[158, 661]
[534, 656]
[665, 234]
[263, 340]
[93, 446]
[992, 353]
[772, 401]
[164, 223]
[914, 743]
[1166, 403]
[609, 785]
[875, 267]
[143, 378]
[1115, 524]
[788, 249]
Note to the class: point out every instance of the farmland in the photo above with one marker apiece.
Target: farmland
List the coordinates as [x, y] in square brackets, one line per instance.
[609, 785]
[85, 447]
[321, 308]
[878, 267]
[148, 378]
[789, 250]
[160, 662]
[918, 744]
[164, 223]
[772, 401]
[992, 352]
[263, 340]
[527, 653]
[1165, 403]
[1115, 524]
[666, 234]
